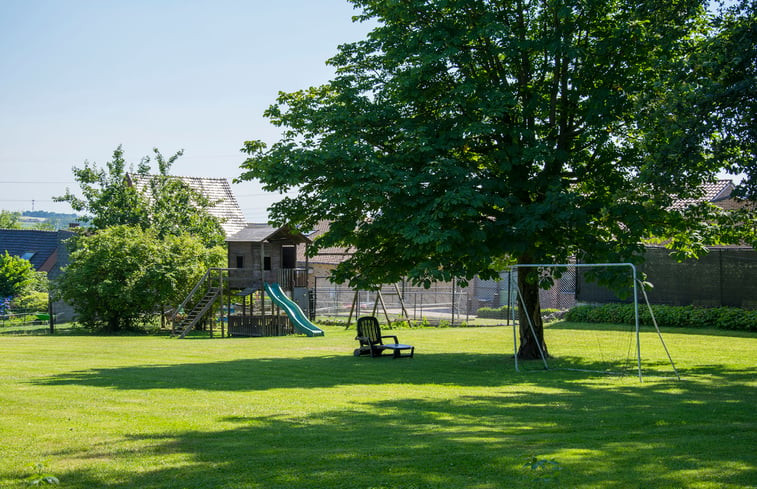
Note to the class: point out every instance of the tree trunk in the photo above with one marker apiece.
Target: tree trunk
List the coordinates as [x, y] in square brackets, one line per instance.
[530, 316]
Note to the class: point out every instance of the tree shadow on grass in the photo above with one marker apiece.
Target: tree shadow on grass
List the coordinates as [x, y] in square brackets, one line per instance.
[460, 369]
[629, 437]
[307, 372]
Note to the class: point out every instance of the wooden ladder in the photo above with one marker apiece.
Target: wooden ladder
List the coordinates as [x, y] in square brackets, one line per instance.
[198, 312]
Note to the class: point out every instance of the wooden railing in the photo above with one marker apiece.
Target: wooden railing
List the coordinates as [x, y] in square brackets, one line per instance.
[289, 278]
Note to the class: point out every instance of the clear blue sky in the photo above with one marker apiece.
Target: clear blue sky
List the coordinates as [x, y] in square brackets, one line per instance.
[79, 77]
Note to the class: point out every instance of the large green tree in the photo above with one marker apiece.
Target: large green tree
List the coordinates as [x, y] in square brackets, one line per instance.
[164, 204]
[16, 274]
[727, 67]
[121, 277]
[461, 134]
[9, 220]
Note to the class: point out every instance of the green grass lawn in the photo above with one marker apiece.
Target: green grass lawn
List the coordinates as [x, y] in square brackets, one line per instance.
[298, 412]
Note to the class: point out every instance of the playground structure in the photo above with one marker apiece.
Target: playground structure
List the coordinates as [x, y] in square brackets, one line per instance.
[217, 306]
[263, 295]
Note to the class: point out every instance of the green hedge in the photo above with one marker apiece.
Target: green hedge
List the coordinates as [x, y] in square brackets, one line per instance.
[504, 312]
[670, 316]
[493, 312]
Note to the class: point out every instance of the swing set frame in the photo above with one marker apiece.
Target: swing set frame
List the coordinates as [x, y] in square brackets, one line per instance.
[637, 285]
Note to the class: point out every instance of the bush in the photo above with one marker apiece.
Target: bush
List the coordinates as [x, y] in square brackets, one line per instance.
[504, 312]
[120, 276]
[732, 318]
[494, 312]
[31, 301]
[15, 275]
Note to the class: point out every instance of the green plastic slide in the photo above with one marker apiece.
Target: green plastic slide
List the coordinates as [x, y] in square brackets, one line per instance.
[298, 318]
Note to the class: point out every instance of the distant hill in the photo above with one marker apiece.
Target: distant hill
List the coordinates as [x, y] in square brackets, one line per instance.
[56, 220]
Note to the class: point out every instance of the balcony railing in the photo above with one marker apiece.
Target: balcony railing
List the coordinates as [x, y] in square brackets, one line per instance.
[251, 278]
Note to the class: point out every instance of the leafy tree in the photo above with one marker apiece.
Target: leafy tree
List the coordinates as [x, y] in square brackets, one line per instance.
[106, 198]
[38, 283]
[726, 66]
[31, 300]
[709, 118]
[461, 134]
[15, 275]
[175, 208]
[712, 113]
[119, 278]
[9, 220]
[167, 204]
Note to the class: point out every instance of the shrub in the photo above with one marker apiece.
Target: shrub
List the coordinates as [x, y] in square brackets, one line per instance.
[493, 312]
[504, 312]
[120, 276]
[15, 274]
[732, 318]
[31, 301]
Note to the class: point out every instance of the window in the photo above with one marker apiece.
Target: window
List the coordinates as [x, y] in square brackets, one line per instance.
[266, 263]
[240, 261]
[28, 255]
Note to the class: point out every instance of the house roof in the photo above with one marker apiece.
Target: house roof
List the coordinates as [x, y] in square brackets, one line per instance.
[713, 192]
[39, 246]
[325, 256]
[257, 233]
[216, 190]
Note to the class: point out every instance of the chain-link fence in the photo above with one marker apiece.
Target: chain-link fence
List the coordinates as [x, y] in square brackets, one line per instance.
[442, 302]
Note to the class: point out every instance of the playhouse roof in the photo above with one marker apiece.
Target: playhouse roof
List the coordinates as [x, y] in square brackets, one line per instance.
[258, 233]
[216, 190]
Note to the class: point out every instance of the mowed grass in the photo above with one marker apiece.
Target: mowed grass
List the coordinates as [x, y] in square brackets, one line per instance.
[297, 412]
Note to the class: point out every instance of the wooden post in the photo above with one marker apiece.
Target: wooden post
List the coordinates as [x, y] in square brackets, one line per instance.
[453, 302]
[402, 302]
[352, 309]
[51, 318]
[386, 313]
[375, 303]
[307, 269]
[211, 319]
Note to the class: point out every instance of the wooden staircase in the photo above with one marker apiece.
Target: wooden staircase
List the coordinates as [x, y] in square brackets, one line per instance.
[195, 313]
[198, 312]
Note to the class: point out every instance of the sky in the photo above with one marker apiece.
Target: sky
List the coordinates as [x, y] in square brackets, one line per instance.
[80, 77]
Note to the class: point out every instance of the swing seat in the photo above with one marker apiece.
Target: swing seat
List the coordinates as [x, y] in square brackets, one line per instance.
[372, 341]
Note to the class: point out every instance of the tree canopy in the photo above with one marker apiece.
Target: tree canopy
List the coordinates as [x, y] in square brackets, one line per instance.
[121, 277]
[731, 95]
[166, 204]
[150, 239]
[9, 220]
[16, 274]
[461, 134]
